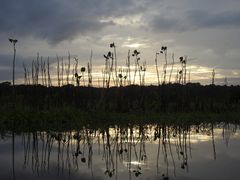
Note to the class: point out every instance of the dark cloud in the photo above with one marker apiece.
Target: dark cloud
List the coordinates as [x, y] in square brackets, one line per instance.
[203, 19]
[194, 20]
[58, 20]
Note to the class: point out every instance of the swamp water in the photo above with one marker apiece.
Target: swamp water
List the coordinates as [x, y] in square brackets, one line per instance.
[204, 151]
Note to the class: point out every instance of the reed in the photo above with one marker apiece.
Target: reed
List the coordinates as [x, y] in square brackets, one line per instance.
[58, 72]
[67, 67]
[164, 51]
[48, 73]
[156, 64]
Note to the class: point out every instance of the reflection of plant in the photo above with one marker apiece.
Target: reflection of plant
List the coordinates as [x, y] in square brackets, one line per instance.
[137, 173]
[165, 177]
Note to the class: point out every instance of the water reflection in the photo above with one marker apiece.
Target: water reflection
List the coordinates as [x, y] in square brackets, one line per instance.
[144, 152]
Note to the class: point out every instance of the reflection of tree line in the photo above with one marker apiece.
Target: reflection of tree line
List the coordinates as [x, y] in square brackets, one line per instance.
[118, 145]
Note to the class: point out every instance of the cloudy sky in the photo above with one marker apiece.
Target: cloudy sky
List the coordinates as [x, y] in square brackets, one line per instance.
[205, 30]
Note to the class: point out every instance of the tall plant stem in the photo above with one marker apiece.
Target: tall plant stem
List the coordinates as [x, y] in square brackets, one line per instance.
[129, 70]
[185, 71]
[115, 57]
[135, 71]
[170, 76]
[156, 63]
[58, 71]
[48, 73]
[165, 67]
[14, 57]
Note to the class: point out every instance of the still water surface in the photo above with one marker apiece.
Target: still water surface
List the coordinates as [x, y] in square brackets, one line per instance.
[206, 151]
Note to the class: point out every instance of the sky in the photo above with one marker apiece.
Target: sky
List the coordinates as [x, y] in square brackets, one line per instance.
[207, 31]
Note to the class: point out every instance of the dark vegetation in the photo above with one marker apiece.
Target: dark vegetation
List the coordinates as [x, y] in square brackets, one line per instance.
[70, 106]
[164, 98]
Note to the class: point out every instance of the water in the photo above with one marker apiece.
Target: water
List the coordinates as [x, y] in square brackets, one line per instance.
[205, 151]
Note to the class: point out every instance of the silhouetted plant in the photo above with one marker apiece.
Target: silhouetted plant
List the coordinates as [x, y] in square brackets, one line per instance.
[120, 77]
[225, 81]
[143, 70]
[35, 70]
[67, 67]
[75, 71]
[189, 76]
[164, 51]
[181, 72]
[77, 79]
[108, 71]
[83, 69]
[185, 69]
[58, 72]
[89, 68]
[13, 42]
[213, 76]
[48, 73]
[128, 72]
[112, 45]
[62, 72]
[156, 64]
[25, 74]
[137, 59]
[171, 68]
